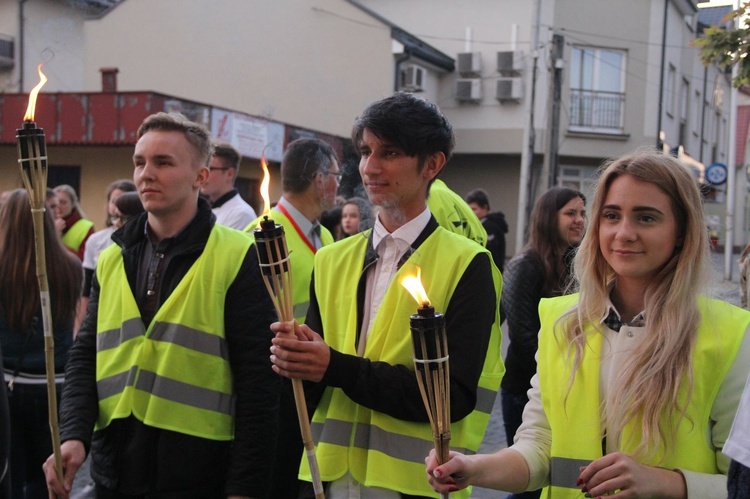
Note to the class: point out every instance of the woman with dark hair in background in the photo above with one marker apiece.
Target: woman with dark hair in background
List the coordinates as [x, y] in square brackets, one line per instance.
[127, 207]
[101, 240]
[540, 270]
[22, 335]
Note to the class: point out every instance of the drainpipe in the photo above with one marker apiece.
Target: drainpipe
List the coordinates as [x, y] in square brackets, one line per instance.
[20, 46]
[661, 77]
[703, 111]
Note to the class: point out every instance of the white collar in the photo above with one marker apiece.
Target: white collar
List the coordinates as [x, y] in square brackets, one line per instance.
[409, 232]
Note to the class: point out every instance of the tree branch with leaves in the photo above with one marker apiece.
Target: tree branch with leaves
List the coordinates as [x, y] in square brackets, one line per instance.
[728, 47]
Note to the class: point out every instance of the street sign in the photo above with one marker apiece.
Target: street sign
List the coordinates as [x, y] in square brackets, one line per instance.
[716, 173]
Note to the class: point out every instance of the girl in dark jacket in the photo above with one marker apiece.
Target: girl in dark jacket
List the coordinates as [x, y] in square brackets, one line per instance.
[22, 335]
[540, 270]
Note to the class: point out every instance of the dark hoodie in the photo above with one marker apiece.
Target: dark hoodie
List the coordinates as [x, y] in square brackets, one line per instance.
[496, 227]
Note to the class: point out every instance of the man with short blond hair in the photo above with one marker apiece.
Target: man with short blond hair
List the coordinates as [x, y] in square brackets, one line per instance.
[168, 383]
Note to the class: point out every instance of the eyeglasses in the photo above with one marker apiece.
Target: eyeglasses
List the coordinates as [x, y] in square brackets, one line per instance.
[123, 218]
[220, 168]
[338, 175]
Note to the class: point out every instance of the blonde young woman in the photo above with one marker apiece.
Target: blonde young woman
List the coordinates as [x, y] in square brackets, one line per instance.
[638, 375]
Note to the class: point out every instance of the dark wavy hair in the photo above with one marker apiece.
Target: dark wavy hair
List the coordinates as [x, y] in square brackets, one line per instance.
[19, 289]
[544, 236]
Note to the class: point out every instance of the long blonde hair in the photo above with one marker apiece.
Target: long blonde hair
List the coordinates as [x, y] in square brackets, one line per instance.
[655, 383]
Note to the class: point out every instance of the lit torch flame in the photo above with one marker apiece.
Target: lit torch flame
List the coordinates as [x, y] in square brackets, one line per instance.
[413, 284]
[264, 187]
[31, 109]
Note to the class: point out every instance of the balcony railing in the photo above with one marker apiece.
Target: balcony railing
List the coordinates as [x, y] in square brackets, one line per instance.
[596, 111]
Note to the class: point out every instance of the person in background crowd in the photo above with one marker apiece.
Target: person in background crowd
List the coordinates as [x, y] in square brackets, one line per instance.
[494, 223]
[4, 197]
[176, 290]
[639, 376]
[356, 216]
[102, 239]
[540, 270]
[331, 220]
[127, 207]
[744, 263]
[737, 447]
[226, 203]
[355, 344]
[71, 222]
[4, 440]
[309, 179]
[22, 335]
[452, 212]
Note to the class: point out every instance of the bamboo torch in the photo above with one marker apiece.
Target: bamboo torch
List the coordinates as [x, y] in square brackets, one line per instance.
[32, 161]
[273, 257]
[431, 365]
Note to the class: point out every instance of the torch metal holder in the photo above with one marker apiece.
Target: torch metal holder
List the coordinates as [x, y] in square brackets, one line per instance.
[432, 369]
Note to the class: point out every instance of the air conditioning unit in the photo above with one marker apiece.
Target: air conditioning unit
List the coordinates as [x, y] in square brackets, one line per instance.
[7, 60]
[469, 64]
[412, 78]
[509, 89]
[469, 89]
[510, 63]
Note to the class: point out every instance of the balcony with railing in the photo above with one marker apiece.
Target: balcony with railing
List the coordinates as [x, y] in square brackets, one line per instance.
[596, 111]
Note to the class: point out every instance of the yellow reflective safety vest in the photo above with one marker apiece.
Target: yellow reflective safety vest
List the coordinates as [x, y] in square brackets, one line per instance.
[175, 375]
[575, 423]
[380, 450]
[74, 236]
[453, 214]
[301, 257]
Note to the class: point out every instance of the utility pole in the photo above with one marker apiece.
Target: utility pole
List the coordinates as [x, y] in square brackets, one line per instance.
[551, 159]
[525, 193]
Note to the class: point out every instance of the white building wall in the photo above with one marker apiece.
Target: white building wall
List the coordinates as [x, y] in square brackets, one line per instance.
[315, 65]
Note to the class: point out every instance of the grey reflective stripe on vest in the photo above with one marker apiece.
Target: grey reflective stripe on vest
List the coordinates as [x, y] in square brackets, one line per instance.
[402, 447]
[114, 385]
[564, 471]
[168, 389]
[485, 400]
[300, 309]
[210, 344]
[131, 328]
[184, 393]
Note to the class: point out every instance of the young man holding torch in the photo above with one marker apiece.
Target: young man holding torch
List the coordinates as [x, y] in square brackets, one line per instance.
[371, 425]
[170, 368]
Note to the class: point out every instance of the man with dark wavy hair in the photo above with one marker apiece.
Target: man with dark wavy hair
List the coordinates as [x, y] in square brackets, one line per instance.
[371, 427]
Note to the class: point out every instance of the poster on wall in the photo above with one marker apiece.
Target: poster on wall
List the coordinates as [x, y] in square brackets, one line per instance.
[251, 136]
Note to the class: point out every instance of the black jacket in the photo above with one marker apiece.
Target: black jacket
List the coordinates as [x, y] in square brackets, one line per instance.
[4, 440]
[129, 456]
[496, 227]
[523, 288]
[393, 389]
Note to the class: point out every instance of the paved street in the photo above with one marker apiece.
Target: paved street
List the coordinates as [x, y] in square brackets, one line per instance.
[494, 438]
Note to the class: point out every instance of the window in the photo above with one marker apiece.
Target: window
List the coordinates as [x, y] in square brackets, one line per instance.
[580, 178]
[684, 96]
[697, 112]
[597, 84]
[669, 91]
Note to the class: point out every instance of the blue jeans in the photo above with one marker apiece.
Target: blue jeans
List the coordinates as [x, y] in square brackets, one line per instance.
[30, 441]
[512, 406]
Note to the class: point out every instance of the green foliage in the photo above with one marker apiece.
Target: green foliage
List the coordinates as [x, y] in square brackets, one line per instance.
[729, 47]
